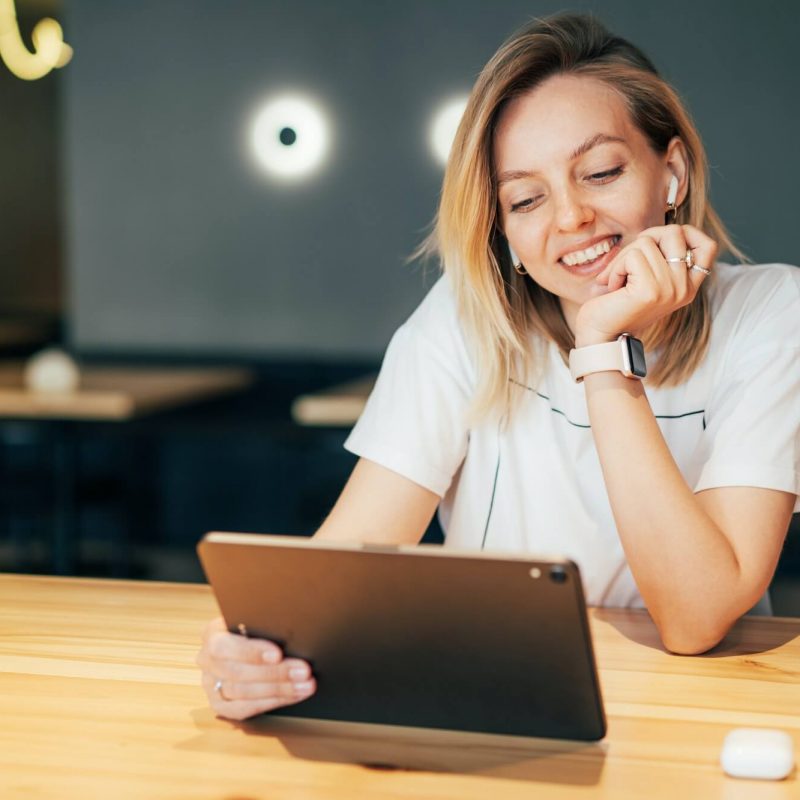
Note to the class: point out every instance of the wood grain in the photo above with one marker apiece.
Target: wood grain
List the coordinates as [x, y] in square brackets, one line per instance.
[99, 697]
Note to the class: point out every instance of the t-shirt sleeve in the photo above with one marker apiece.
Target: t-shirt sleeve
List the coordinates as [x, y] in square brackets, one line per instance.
[752, 421]
[414, 422]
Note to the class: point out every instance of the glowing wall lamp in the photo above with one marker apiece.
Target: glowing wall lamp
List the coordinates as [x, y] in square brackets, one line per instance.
[444, 126]
[50, 50]
[290, 137]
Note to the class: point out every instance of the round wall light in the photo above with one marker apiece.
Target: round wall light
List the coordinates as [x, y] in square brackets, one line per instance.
[290, 136]
[444, 126]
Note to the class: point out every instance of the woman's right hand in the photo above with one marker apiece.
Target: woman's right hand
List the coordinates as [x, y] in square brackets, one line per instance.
[254, 675]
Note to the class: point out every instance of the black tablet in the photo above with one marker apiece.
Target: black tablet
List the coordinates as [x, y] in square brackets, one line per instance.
[421, 636]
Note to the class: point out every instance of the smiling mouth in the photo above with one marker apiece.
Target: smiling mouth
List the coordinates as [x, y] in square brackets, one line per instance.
[584, 258]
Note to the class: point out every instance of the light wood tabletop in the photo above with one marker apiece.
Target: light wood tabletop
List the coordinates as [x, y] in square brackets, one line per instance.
[99, 698]
[116, 393]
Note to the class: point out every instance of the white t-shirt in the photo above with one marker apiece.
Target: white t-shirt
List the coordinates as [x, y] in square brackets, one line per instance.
[535, 485]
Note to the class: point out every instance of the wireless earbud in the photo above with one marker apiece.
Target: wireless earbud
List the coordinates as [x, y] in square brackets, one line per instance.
[672, 193]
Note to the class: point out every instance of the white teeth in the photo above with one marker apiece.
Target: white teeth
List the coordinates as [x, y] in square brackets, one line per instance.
[590, 253]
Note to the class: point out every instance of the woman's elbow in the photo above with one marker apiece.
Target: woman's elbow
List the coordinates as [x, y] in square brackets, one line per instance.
[693, 640]
[690, 646]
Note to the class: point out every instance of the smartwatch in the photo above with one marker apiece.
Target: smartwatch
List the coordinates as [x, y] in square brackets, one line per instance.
[625, 355]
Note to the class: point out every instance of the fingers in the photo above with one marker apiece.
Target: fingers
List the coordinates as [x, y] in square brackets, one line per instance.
[243, 677]
[290, 669]
[631, 264]
[704, 250]
[243, 700]
[675, 288]
[642, 280]
[222, 645]
[282, 692]
[666, 249]
[645, 283]
[675, 240]
[614, 276]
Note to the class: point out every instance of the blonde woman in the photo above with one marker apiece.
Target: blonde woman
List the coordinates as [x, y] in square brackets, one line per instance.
[513, 401]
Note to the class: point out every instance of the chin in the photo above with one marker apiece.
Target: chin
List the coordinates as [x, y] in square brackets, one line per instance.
[595, 290]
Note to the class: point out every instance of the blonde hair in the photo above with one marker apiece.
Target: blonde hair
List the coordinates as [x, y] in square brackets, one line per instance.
[498, 307]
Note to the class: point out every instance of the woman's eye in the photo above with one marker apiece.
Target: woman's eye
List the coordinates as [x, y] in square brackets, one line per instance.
[606, 175]
[531, 202]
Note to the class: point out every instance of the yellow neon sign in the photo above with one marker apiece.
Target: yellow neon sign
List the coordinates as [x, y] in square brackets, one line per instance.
[50, 50]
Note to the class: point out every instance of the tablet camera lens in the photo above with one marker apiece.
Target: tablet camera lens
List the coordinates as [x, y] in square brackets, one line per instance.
[558, 575]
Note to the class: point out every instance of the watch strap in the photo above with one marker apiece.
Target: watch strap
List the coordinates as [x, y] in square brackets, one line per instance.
[605, 357]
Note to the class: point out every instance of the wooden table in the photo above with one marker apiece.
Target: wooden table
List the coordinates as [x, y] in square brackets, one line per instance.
[113, 393]
[107, 394]
[99, 698]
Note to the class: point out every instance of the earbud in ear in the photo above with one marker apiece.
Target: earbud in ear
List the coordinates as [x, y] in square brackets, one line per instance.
[672, 193]
[516, 261]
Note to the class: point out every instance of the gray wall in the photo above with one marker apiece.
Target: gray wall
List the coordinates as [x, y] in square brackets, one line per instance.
[176, 243]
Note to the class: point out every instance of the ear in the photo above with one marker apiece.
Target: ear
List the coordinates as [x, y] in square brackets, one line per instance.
[677, 164]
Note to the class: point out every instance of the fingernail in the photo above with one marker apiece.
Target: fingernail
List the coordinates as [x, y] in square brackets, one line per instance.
[271, 656]
[303, 688]
[298, 673]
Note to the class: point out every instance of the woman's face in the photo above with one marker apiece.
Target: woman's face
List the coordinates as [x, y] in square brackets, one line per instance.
[576, 181]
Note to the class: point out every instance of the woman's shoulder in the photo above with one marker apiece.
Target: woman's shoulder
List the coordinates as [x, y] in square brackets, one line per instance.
[750, 299]
[757, 281]
[754, 287]
[437, 314]
[435, 326]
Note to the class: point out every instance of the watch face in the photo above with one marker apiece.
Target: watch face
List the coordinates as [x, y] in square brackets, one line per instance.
[636, 357]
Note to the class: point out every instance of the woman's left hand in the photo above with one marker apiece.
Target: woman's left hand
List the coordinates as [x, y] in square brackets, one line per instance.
[642, 287]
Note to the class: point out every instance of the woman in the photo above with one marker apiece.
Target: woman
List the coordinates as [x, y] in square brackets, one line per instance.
[675, 492]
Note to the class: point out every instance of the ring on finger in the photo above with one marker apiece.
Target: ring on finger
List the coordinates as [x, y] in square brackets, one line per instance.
[218, 690]
[698, 268]
[682, 260]
[688, 259]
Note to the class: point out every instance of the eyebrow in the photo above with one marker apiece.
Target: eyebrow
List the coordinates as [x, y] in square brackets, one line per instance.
[581, 149]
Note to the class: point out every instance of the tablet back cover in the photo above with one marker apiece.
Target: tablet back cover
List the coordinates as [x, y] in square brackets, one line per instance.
[418, 636]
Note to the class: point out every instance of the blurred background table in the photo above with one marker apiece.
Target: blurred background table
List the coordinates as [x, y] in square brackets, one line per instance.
[107, 394]
[100, 697]
[112, 393]
[336, 406]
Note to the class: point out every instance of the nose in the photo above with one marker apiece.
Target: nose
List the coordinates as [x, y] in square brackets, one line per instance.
[572, 209]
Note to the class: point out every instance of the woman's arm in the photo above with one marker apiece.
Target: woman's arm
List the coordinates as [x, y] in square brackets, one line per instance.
[700, 561]
[379, 506]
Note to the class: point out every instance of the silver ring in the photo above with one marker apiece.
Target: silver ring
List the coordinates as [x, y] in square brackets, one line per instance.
[698, 268]
[218, 690]
[688, 259]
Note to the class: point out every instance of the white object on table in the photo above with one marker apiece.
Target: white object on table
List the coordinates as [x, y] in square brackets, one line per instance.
[52, 371]
[757, 753]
